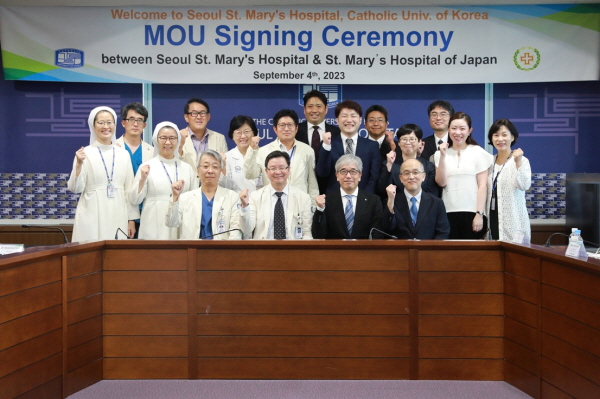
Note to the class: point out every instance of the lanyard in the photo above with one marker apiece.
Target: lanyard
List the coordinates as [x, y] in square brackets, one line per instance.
[292, 154]
[169, 176]
[112, 173]
[495, 179]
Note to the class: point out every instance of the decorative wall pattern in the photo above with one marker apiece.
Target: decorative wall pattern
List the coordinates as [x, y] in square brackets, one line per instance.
[45, 196]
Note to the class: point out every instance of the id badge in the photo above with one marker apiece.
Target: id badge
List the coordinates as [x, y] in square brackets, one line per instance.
[221, 226]
[298, 232]
[110, 191]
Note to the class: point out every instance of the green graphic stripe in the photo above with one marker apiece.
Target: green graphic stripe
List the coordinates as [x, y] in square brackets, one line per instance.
[584, 15]
[16, 74]
[24, 65]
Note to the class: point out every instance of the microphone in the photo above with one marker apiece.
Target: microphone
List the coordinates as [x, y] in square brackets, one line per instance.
[223, 232]
[26, 226]
[382, 232]
[117, 233]
[547, 244]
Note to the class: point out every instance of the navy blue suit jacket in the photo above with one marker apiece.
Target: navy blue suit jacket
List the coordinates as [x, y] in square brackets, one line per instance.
[367, 150]
[430, 146]
[302, 136]
[432, 221]
[386, 178]
[331, 223]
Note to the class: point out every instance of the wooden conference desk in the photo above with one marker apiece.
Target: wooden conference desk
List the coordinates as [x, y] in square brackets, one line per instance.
[76, 314]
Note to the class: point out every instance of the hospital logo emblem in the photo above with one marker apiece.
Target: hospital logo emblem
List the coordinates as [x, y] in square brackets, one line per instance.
[332, 92]
[69, 58]
[527, 58]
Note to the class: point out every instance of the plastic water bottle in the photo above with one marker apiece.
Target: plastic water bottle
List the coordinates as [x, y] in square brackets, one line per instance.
[576, 246]
[575, 235]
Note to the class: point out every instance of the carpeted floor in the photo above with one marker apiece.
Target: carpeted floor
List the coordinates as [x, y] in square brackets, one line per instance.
[298, 389]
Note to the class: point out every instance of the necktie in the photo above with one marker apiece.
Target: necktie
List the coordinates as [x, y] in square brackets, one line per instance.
[315, 142]
[349, 214]
[349, 144]
[440, 141]
[413, 210]
[279, 219]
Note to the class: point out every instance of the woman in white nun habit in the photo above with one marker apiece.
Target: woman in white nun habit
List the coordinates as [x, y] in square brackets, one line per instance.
[102, 174]
[153, 182]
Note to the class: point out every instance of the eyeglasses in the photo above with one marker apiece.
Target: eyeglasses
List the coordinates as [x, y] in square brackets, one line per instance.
[164, 139]
[435, 115]
[239, 133]
[352, 172]
[133, 121]
[196, 114]
[409, 174]
[284, 125]
[207, 167]
[278, 169]
[105, 123]
[406, 140]
[378, 120]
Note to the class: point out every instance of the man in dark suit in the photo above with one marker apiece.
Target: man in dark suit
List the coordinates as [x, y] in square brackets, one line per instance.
[348, 114]
[413, 213]
[315, 111]
[376, 123]
[409, 140]
[439, 113]
[350, 211]
[312, 129]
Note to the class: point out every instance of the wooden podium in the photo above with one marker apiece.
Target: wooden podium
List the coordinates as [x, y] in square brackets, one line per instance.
[73, 315]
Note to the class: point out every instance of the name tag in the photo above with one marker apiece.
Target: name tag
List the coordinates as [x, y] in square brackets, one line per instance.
[220, 226]
[110, 191]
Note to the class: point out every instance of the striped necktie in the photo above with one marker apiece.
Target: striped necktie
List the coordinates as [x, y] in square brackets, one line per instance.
[349, 214]
[413, 210]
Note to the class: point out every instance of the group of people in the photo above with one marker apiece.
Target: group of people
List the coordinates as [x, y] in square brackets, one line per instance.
[315, 180]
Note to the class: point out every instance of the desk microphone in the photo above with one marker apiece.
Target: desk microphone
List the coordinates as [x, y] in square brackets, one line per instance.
[117, 233]
[223, 232]
[547, 244]
[382, 232]
[26, 226]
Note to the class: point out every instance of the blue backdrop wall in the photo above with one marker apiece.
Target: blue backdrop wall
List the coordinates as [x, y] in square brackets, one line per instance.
[42, 124]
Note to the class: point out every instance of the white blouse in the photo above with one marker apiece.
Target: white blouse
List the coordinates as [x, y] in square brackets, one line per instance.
[460, 193]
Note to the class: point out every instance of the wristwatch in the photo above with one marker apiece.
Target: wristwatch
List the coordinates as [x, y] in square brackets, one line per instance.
[481, 213]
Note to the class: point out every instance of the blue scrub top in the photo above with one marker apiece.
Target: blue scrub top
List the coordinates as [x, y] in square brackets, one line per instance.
[206, 222]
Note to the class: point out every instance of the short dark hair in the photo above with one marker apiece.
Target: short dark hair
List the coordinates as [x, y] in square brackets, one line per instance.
[467, 118]
[137, 107]
[239, 121]
[315, 93]
[377, 108]
[213, 154]
[186, 108]
[277, 154]
[508, 124]
[408, 129]
[442, 104]
[285, 112]
[348, 104]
